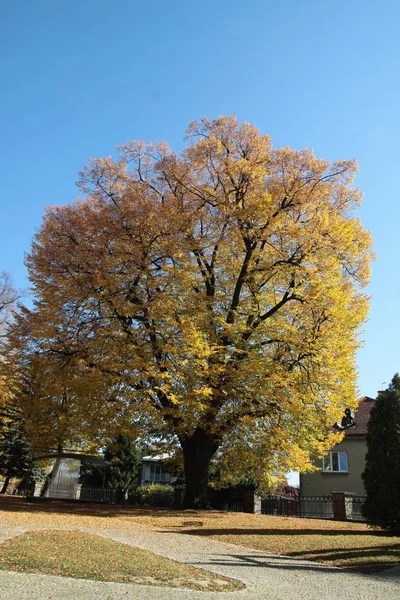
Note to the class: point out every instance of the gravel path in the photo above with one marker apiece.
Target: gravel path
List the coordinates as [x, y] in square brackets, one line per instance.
[267, 577]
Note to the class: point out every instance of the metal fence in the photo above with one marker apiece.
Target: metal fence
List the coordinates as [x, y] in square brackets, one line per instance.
[73, 492]
[354, 508]
[234, 505]
[279, 505]
[97, 494]
[311, 507]
[317, 507]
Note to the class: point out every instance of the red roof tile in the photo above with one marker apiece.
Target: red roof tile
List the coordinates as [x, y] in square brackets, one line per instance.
[361, 417]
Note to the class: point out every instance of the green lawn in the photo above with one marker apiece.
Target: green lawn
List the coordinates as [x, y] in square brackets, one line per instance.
[88, 556]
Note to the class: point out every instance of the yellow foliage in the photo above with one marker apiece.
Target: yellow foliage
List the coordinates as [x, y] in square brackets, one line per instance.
[217, 293]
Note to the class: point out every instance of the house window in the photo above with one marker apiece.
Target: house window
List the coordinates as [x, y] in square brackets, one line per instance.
[335, 462]
[157, 472]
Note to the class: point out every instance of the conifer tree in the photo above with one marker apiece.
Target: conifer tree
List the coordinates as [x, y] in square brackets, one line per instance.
[14, 449]
[382, 469]
[125, 464]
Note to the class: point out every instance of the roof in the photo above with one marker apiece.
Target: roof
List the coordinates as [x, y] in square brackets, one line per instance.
[84, 458]
[156, 458]
[361, 418]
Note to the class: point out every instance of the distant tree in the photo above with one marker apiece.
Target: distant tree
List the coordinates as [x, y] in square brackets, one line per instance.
[14, 449]
[287, 491]
[31, 477]
[125, 465]
[8, 298]
[91, 475]
[38, 474]
[382, 469]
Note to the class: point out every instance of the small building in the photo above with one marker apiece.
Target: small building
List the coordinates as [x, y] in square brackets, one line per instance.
[63, 481]
[340, 470]
[154, 470]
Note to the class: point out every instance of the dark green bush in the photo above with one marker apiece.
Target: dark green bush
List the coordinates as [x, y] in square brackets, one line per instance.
[382, 468]
[219, 497]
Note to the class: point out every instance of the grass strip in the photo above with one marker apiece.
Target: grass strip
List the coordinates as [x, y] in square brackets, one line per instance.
[88, 556]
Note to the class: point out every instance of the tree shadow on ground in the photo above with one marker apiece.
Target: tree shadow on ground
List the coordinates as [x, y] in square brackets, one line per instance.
[90, 509]
[389, 549]
[261, 560]
[366, 567]
[278, 531]
[366, 559]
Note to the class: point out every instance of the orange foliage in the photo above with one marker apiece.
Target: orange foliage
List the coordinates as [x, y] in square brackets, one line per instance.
[218, 291]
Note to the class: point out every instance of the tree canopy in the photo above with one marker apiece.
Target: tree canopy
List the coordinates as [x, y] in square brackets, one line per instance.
[212, 297]
[382, 466]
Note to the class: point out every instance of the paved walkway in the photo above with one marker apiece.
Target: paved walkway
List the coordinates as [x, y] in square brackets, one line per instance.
[267, 577]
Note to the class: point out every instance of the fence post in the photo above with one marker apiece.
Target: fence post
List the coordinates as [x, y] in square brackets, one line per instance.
[251, 502]
[339, 506]
[348, 504]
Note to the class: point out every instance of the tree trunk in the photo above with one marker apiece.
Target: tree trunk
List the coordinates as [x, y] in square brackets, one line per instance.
[51, 478]
[5, 485]
[198, 451]
[45, 487]
[121, 496]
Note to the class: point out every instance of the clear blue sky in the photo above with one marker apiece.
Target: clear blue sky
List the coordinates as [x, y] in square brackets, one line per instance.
[78, 78]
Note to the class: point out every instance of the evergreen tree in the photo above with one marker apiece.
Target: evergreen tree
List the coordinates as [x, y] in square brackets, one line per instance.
[382, 468]
[14, 449]
[125, 465]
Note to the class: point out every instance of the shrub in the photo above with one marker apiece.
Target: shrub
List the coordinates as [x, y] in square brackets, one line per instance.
[221, 496]
[382, 466]
[154, 495]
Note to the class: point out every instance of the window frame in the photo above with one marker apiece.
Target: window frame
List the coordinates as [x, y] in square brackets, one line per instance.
[331, 459]
[157, 472]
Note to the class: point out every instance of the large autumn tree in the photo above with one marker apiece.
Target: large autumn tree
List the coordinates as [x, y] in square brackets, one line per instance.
[212, 297]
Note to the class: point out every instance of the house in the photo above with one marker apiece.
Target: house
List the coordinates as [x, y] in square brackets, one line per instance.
[154, 470]
[341, 469]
